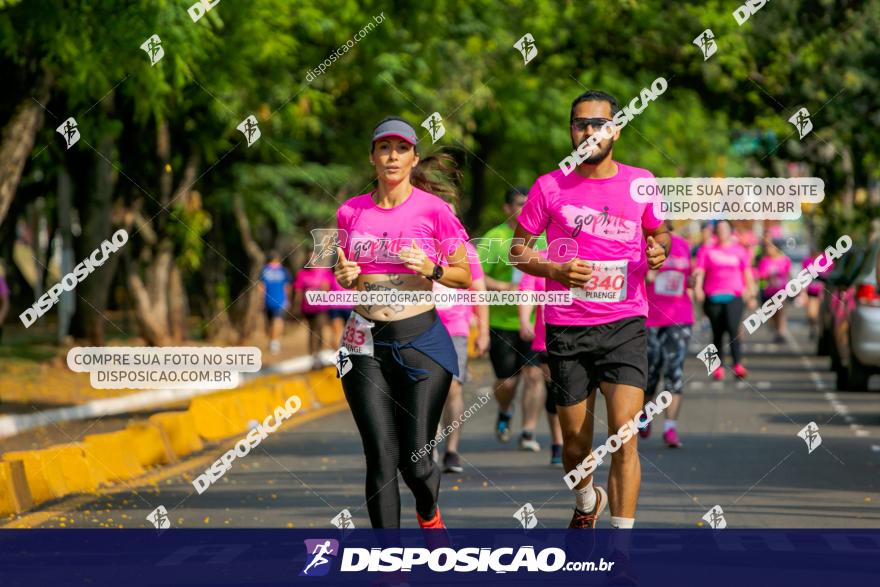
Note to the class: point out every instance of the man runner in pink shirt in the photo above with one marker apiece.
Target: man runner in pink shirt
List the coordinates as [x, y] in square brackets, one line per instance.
[601, 243]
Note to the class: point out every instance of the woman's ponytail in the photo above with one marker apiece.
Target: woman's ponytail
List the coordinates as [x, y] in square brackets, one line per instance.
[439, 175]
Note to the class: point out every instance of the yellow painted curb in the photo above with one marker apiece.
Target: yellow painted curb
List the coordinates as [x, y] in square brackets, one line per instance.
[299, 388]
[15, 497]
[150, 444]
[180, 429]
[326, 387]
[110, 455]
[36, 478]
[210, 418]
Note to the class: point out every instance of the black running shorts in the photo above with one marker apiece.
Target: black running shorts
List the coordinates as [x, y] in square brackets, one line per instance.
[508, 352]
[581, 357]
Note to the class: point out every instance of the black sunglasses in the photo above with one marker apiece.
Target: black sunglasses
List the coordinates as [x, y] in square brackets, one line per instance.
[582, 123]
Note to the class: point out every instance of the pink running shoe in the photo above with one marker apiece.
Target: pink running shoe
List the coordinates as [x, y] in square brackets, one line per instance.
[740, 371]
[670, 437]
[718, 374]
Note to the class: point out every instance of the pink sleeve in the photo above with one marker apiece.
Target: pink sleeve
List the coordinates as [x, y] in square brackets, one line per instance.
[342, 224]
[762, 267]
[701, 258]
[474, 262]
[298, 280]
[535, 215]
[649, 219]
[448, 231]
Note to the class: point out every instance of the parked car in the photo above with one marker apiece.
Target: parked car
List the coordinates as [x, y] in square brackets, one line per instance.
[855, 328]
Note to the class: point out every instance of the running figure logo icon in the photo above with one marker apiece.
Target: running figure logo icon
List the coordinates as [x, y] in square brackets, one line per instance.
[709, 356]
[810, 434]
[317, 553]
[70, 131]
[715, 518]
[434, 124]
[801, 121]
[153, 47]
[526, 516]
[526, 46]
[343, 364]
[159, 518]
[706, 43]
[249, 129]
[343, 520]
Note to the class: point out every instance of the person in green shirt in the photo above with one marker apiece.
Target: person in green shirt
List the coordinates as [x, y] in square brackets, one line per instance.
[507, 351]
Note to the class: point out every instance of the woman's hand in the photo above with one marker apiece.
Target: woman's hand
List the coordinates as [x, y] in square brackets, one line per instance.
[414, 258]
[346, 272]
[526, 332]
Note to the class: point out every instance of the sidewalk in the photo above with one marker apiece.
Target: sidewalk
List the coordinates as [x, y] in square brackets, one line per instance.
[31, 385]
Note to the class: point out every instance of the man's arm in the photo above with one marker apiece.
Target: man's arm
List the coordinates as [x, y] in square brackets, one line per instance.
[574, 273]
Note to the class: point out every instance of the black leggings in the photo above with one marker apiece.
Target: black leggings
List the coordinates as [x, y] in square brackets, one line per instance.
[724, 317]
[396, 418]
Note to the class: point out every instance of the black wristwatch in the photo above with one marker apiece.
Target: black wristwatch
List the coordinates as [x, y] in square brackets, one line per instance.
[437, 273]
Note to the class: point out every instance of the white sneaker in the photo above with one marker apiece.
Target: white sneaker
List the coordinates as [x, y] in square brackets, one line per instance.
[529, 444]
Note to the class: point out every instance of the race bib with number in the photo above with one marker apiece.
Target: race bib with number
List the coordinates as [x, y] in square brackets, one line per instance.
[607, 283]
[357, 337]
[669, 283]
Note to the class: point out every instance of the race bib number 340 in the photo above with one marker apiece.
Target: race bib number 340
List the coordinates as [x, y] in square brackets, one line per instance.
[607, 283]
[356, 337]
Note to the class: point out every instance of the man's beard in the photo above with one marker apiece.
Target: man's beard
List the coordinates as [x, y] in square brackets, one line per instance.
[599, 152]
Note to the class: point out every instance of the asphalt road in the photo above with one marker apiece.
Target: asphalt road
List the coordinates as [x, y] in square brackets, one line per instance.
[741, 451]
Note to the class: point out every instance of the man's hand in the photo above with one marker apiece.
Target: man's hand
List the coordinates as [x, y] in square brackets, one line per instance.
[656, 253]
[575, 273]
[527, 332]
[346, 272]
[482, 343]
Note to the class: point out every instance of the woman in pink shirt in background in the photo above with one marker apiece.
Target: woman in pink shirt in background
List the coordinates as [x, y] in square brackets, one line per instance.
[723, 279]
[670, 317]
[312, 279]
[457, 320]
[537, 371]
[775, 268]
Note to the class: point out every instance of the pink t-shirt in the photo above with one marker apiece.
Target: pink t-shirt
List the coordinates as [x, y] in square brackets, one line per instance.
[668, 300]
[373, 236]
[595, 220]
[457, 317]
[534, 283]
[776, 271]
[313, 279]
[724, 266]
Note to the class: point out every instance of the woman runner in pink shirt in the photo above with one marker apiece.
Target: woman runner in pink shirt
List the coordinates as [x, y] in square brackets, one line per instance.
[723, 278]
[774, 268]
[670, 317]
[398, 360]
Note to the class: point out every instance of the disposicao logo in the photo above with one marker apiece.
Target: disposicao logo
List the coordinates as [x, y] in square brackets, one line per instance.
[319, 554]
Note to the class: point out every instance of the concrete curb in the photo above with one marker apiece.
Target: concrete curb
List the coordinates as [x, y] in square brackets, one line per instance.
[32, 477]
[11, 425]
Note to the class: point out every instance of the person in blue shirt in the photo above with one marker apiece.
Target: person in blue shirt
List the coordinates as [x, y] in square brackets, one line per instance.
[275, 282]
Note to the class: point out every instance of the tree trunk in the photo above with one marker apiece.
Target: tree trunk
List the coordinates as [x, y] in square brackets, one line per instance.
[251, 319]
[18, 140]
[160, 302]
[90, 320]
[67, 301]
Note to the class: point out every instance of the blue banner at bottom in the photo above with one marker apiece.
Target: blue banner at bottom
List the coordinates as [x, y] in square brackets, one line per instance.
[256, 557]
